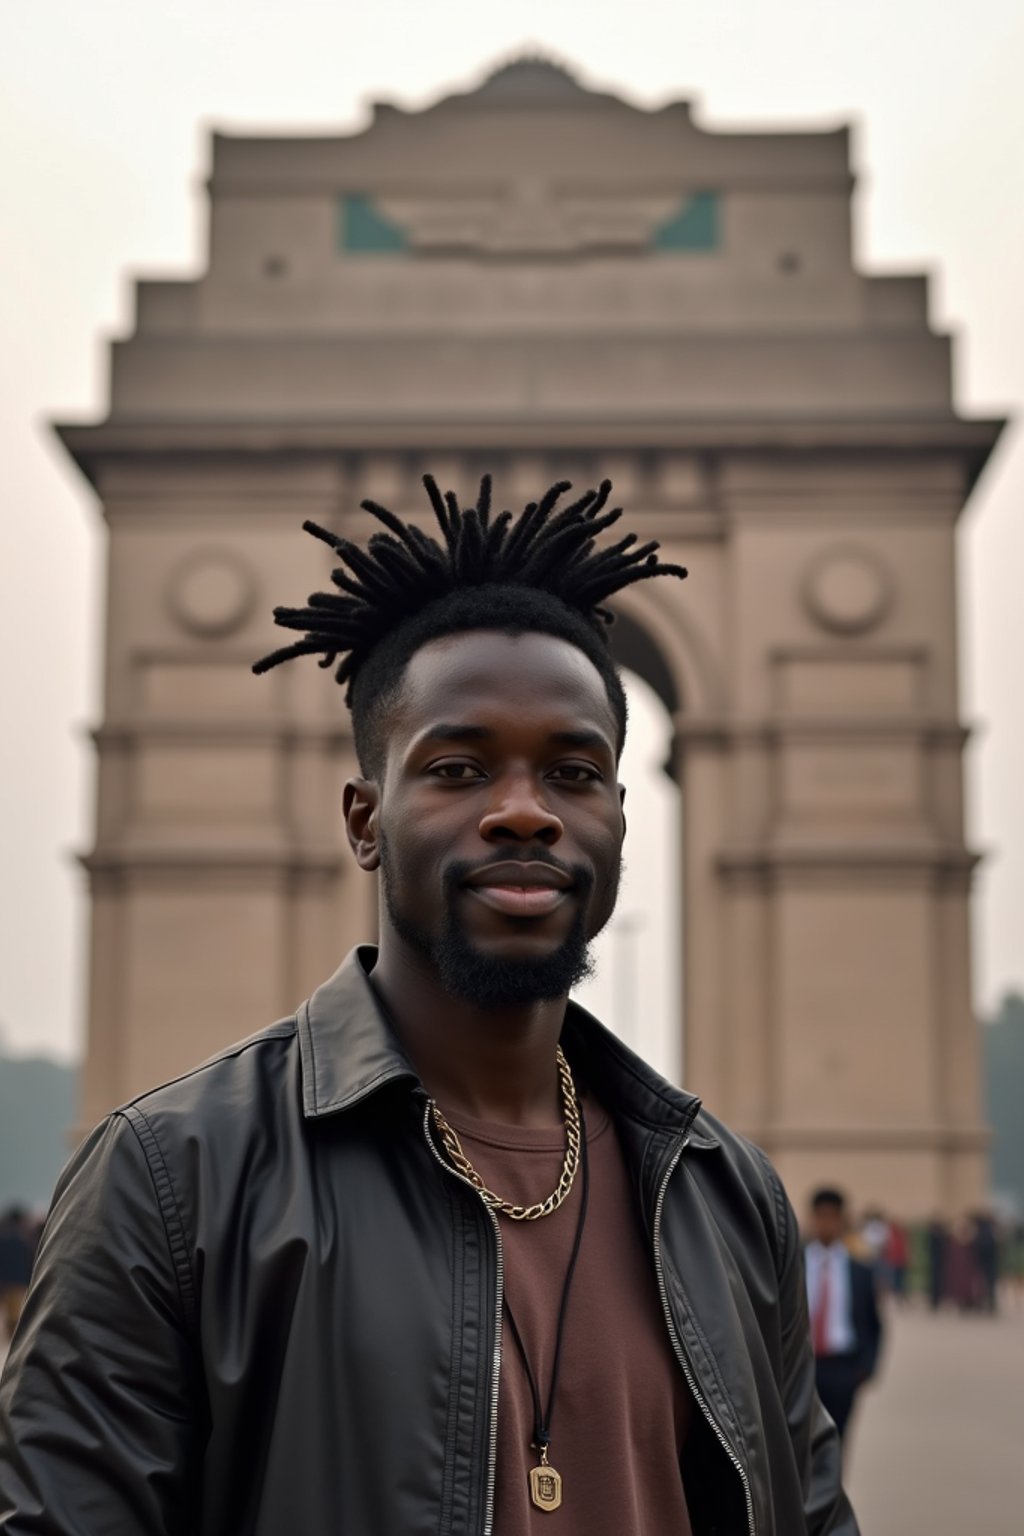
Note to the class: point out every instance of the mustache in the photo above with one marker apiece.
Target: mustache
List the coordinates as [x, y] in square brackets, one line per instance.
[580, 876]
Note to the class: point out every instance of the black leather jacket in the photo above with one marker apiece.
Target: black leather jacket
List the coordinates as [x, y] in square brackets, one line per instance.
[265, 1304]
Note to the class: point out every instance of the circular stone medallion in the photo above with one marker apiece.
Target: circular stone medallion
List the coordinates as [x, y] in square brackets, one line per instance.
[847, 589]
[211, 592]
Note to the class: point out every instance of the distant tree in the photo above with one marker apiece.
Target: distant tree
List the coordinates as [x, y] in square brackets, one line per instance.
[37, 1110]
[1004, 1092]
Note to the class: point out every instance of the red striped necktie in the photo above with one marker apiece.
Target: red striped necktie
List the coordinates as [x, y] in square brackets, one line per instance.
[819, 1325]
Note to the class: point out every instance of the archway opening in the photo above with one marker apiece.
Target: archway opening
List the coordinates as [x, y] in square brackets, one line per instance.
[639, 657]
[637, 986]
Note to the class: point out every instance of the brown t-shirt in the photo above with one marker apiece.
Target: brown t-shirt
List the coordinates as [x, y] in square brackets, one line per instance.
[621, 1410]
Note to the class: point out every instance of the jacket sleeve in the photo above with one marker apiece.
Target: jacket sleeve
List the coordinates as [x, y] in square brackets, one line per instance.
[869, 1322]
[101, 1406]
[815, 1440]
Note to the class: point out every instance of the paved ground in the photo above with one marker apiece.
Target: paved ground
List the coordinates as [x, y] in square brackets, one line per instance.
[938, 1445]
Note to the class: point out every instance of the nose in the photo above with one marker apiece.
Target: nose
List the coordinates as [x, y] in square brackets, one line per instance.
[517, 813]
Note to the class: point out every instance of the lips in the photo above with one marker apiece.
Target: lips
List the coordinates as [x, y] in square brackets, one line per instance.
[520, 890]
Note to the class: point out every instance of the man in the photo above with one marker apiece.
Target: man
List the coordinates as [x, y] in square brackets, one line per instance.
[986, 1258]
[845, 1326]
[437, 1254]
[15, 1267]
[937, 1236]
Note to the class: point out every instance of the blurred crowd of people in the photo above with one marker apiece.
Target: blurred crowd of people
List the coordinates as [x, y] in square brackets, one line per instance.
[19, 1234]
[854, 1267]
[964, 1264]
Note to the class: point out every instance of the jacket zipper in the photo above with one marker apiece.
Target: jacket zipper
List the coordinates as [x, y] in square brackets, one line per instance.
[677, 1345]
[492, 1449]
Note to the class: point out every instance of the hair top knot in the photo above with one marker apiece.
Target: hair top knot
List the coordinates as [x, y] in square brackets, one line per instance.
[548, 549]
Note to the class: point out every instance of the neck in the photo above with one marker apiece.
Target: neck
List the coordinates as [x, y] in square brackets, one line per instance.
[490, 1064]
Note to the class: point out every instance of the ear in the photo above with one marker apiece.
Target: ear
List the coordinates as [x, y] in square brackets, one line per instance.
[622, 807]
[361, 809]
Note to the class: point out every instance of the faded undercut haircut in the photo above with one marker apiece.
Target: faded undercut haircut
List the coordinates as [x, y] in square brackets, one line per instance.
[541, 571]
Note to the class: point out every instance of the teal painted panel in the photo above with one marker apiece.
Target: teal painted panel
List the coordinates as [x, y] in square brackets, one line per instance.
[364, 230]
[693, 228]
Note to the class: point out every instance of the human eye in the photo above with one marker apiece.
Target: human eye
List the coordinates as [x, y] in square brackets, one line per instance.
[576, 773]
[455, 771]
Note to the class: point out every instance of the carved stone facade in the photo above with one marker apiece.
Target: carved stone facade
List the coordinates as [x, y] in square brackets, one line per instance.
[543, 281]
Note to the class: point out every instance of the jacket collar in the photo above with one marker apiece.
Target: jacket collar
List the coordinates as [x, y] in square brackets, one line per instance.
[349, 1050]
[625, 1083]
[348, 1047]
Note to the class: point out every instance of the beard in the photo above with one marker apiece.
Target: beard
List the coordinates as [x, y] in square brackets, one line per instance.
[494, 981]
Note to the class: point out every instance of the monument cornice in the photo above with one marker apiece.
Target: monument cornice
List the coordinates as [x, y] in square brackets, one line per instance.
[766, 861]
[970, 440]
[755, 731]
[112, 863]
[127, 733]
[329, 182]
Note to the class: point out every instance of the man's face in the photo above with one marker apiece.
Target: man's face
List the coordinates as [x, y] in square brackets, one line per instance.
[828, 1223]
[499, 825]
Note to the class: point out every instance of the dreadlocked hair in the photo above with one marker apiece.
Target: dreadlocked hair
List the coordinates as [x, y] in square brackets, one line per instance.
[542, 571]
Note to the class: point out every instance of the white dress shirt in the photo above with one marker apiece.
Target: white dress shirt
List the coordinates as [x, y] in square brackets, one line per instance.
[839, 1334]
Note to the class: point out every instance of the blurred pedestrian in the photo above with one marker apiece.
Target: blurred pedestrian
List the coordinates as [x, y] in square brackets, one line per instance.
[897, 1258]
[937, 1237]
[846, 1329]
[963, 1282]
[986, 1260]
[1013, 1265]
[15, 1266]
[874, 1233]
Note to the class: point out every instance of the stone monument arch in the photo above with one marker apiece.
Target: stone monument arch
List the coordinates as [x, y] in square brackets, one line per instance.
[545, 281]
[635, 648]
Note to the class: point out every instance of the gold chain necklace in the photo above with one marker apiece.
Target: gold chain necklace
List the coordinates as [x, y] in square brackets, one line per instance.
[571, 1112]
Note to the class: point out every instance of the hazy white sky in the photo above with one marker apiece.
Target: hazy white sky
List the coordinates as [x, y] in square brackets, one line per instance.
[105, 112]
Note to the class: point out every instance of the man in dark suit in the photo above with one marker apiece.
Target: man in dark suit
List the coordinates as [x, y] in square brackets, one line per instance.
[846, 1330]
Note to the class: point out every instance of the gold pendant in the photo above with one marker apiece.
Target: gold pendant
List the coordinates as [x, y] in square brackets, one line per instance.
[545, 1486]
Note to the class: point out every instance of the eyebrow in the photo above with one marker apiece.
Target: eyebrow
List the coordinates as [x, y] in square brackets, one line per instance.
[454, 732]
[457, 733]
[580, 738]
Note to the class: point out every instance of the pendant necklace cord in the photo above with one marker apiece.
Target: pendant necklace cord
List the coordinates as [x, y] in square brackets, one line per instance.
[542, 1421]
